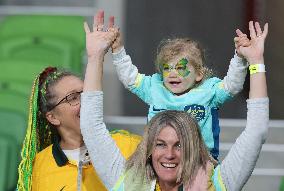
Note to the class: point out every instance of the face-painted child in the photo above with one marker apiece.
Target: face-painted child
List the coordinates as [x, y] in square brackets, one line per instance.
[180, 66]
[179, 75]
[180, 61]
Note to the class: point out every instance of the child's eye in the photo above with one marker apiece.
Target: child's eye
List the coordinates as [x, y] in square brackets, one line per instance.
[181, 68]
[166, 67]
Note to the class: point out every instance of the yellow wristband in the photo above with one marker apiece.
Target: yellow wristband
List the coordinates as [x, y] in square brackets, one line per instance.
[256, 68]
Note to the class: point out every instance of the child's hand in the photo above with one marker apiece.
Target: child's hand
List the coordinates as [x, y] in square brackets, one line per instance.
[117, 44]
[241, 41]
[98, 41]
[254, 52]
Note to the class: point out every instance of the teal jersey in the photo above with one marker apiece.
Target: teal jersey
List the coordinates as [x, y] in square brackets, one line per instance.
[201, 102]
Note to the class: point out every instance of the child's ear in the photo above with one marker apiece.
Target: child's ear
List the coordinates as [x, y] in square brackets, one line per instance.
[51, 118]
[199, 77]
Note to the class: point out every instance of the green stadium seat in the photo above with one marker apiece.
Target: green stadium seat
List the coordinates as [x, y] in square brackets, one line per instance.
[13, 124]
[4, 158]
[12, 101]
[17, 75]
[13, 127]
[54, 51]
[21, 70]
[10, 171]
[16, 86]
[63, 27]
[51, 33]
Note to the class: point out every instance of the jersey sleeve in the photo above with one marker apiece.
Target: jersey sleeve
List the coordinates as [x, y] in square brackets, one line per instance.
[128, 74]
[234, 80]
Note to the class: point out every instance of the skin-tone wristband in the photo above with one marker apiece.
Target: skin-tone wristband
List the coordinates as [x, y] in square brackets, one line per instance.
[255, 68]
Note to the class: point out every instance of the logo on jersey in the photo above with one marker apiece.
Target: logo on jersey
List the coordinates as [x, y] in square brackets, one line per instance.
[197, 111]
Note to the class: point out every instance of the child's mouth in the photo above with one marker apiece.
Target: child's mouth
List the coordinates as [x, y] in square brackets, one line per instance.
[175, 83]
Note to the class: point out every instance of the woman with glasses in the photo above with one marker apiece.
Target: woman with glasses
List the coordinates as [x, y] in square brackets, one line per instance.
[54, 156]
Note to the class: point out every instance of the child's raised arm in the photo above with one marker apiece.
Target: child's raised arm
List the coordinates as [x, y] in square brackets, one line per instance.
[234, 80]
[127, 72]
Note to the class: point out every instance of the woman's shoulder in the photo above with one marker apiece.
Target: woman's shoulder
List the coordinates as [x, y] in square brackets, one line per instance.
[43, 160]
[131, 181]
[45, 153]
[216, 180]
[126, 141]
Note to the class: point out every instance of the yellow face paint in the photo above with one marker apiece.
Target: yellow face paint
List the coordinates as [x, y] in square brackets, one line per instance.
[180, 67]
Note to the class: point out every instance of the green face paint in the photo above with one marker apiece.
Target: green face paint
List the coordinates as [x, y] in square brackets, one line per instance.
[180, 67]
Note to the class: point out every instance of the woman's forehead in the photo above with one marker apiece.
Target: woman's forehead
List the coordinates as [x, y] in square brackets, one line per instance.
[68, 84]
[168, 134]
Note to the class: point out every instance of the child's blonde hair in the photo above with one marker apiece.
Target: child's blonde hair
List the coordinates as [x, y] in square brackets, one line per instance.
[170, 48]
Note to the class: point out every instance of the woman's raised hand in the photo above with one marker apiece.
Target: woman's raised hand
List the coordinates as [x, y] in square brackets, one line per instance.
[254, 51]
[99, 40]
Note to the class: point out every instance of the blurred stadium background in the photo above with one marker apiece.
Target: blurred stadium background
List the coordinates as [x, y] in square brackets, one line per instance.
[38, 33]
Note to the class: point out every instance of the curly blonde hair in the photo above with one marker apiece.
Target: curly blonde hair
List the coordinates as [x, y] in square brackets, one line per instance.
[170, 48]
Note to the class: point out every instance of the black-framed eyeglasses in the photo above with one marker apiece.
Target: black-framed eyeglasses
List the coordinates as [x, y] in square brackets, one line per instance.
[72, 98]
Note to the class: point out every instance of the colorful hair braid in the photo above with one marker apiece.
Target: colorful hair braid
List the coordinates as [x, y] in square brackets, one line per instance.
[38, 134]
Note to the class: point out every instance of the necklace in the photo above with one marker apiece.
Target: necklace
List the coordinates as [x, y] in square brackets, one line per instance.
[86, 158]
[157, 188]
